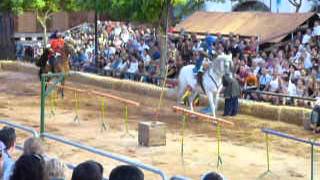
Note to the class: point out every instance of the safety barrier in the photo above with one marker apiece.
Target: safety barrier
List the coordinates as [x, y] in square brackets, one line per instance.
[21, 127]
[312, 144]
[107, 154]
[217, 121]
[87, 148]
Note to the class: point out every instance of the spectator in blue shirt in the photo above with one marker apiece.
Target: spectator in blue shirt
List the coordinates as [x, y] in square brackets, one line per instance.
[8, 137]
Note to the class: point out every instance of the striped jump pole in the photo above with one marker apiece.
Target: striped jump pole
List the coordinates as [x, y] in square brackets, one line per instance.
[312, 144]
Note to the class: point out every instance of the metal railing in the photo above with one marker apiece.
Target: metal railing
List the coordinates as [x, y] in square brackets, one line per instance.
[312, 144]
[109, 155]
[280, 95]
[115, 157]
[21, 127]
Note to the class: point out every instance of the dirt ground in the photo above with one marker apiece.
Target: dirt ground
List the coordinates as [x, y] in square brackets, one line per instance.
[243, 146]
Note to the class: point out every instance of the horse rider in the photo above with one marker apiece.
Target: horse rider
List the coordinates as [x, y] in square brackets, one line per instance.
[56, 49]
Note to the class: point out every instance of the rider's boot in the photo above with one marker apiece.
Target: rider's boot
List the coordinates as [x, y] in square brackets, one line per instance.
[199, 78]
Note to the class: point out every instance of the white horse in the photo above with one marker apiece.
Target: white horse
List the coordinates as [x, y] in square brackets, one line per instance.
[212, 80]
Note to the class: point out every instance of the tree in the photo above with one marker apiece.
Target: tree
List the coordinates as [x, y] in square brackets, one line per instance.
[43, 9]
[296, 3]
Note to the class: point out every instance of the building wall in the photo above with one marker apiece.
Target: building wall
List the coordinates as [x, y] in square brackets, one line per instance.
[6, 32]
[60, 22]
[27, 22]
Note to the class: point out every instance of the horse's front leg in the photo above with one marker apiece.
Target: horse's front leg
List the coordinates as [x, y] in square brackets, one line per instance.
[211, 103]
[191, 99]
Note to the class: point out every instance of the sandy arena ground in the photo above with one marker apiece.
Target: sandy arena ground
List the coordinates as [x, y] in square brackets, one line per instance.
[243, 146]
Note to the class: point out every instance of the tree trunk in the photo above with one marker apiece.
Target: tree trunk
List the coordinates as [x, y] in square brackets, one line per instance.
[43, 23]
[298, 8]
[45, 36]
[163, 48]
[164, 37]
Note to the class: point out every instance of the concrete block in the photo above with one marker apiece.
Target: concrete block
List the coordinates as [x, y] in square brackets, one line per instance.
[152, 133]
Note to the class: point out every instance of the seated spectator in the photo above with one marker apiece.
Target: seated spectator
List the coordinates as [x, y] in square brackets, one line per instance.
[275, 87]
[8, 137]
[213, 176]
[55, 169]
[133, 69]
[264, 79]
[306, 37]
[89, 170]
[172, 69]
[242, 75]
[126, 172]
[2, 151]
[301, 88]
[32, 146]
[250, 84]
[122, 67]
[146, 57]
[29, 167]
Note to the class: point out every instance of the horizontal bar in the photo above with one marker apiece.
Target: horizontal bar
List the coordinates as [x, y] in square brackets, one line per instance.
[281, 95]
[126, 101]
[178, 177]
[21, 127]
[122, 100]
[203, 116]
[58, 74]
[72, 89]
[106, 154]
[287, 136]
[53, 75]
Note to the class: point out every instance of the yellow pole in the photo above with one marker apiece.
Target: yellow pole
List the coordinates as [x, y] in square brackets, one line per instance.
[162, 92]
[184, 118]
[218, 145]
[103, 123]
[76, 107]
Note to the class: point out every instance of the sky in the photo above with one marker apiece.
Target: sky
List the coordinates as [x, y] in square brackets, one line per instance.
[285, 6]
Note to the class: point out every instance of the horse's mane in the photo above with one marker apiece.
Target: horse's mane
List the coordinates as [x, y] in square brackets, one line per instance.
[217, 64]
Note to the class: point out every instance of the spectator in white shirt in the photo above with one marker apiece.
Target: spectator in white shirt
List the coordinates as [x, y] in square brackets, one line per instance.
[306, 37]
[316, 29]
[133, 69]
[146, 57]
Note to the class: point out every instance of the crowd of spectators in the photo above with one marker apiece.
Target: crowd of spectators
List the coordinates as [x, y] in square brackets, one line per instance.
[133, 52]
[35, 164]
[124, 51]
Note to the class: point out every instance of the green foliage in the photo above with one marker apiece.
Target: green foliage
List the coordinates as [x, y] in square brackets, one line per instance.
[39, 6]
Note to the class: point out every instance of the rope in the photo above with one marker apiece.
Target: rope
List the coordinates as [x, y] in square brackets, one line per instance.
[268, 155]
[52, 107]
[76, 107]
[126, 122]
[219, 162]
[184, 119]
[162, 93]
[102, 110]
